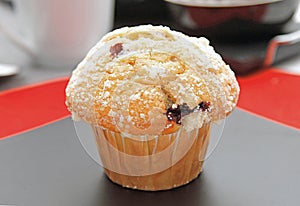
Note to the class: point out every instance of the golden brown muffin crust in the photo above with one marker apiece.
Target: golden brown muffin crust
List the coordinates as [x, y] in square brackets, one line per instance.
[129, 81]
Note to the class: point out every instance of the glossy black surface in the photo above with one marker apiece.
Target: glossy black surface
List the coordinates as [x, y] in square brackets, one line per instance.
[255, 163]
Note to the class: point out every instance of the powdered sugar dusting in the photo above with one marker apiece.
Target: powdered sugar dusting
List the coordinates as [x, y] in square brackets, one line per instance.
[131, 90]
[155, 72]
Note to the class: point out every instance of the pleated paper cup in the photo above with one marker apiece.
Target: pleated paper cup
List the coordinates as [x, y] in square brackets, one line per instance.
[152, 162]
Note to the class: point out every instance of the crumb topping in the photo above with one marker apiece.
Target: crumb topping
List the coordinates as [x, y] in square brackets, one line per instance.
[145, 79]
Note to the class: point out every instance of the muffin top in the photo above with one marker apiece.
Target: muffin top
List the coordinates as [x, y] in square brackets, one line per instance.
[151, 80]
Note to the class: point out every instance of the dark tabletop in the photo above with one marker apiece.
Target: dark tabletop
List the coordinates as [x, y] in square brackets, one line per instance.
[255, 163]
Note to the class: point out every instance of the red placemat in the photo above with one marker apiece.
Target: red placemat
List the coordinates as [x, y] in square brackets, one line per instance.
[271, 94]
[32, 106]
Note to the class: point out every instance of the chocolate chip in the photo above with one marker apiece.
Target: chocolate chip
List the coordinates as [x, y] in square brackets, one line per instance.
[176, 112]
[116, 49]
[204, 106]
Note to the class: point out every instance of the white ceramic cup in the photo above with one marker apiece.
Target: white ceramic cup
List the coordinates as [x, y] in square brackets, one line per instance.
[56, 33]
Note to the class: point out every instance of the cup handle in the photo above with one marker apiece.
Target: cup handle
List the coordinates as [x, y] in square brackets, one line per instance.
[277, 41]
[9, 27]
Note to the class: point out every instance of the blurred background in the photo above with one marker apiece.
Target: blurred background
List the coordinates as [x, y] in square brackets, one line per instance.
[241, 31]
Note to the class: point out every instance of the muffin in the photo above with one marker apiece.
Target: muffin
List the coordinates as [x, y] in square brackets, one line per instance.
[151, 95]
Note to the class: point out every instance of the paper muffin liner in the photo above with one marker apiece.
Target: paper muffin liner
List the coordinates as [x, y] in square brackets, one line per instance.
[150, 162]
